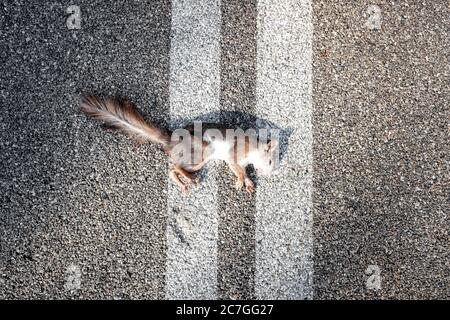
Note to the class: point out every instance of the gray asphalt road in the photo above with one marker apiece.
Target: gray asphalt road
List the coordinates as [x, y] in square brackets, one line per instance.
[236, 250]
[71, 194]
[83, 212]
[381, 168]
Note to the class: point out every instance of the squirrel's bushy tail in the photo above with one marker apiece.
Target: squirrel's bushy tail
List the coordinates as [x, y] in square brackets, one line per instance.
[123, 116]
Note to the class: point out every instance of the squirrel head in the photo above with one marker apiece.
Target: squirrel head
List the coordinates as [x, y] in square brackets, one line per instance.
[265, 159]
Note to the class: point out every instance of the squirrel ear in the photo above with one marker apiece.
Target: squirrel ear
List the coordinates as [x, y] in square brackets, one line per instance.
[271, 145]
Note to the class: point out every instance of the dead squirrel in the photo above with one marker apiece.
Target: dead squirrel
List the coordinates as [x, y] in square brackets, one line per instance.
[190, 153]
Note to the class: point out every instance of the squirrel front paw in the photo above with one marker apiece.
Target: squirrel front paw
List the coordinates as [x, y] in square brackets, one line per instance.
[249, 185]
[239, 184]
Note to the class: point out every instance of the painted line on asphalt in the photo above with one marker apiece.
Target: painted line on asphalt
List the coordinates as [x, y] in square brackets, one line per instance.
[284, 250]
[191, 270]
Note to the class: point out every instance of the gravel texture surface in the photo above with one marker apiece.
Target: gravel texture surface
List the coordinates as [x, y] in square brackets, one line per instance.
[77, 202]
[237, 210]
[381, 162]
[83, 212]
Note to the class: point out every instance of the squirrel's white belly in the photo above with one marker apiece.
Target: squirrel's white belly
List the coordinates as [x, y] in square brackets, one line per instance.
[221, 150]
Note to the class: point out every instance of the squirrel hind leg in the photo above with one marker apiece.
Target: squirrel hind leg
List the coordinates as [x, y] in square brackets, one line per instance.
[175, 173]
[187, 175]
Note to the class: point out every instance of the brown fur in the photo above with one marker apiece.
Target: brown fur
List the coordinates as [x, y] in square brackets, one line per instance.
[122, 115]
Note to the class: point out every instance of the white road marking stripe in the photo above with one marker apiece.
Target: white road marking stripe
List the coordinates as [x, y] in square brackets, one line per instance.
[284, 205]
[192, 231]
